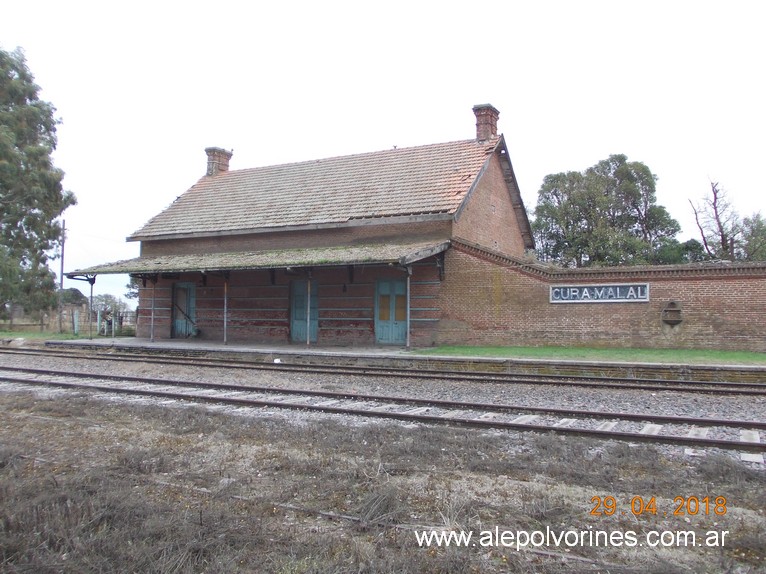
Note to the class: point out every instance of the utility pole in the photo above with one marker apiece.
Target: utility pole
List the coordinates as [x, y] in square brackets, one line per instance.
[61, 274]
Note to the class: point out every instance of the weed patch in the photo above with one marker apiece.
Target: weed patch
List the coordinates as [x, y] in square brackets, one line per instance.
[148, 489]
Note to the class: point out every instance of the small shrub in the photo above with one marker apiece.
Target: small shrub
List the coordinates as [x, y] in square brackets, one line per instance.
[382, 505]
[142, 461]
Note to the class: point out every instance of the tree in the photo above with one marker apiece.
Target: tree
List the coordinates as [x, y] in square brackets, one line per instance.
[754, 238]
[108, 304]
[72, 296]
[718, 224]
[31, 192]
[724, 234]
[606, 215]
[132, 288]
[673, 251]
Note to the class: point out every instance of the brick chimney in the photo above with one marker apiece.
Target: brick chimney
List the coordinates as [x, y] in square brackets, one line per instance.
[486, 121]
[217, 160]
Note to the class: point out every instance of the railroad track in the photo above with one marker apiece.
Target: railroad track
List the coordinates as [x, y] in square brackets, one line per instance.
[739, 435]
[716, 387]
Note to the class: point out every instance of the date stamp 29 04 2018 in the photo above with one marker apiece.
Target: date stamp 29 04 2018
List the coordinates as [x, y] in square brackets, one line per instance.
[640, 506]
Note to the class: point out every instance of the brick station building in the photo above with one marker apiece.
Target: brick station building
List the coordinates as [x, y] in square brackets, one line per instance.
[413, 246]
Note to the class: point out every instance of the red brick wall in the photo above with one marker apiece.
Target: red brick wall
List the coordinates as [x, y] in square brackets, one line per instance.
[487, 302]
[488, 217]
[259, 311]
[483, 300]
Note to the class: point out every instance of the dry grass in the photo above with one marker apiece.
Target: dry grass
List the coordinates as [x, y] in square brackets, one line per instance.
[131, 487]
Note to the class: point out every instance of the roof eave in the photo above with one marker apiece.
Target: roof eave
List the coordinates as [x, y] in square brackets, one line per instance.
[371, 254]
[423, 253]
[516, 200]
[357, 222]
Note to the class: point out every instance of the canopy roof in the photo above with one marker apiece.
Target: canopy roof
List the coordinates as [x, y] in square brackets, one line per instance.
[393, 253]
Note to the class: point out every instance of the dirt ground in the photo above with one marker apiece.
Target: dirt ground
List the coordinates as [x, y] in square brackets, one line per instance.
[90, 485]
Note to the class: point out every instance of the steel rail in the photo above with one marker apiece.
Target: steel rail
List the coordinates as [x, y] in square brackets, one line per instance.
[379, 413]
[442, 403]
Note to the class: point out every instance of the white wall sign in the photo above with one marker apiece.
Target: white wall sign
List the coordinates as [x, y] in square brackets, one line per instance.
[616, 293]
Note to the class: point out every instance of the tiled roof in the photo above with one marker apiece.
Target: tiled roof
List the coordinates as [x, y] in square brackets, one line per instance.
[401, 253]
[430, 179]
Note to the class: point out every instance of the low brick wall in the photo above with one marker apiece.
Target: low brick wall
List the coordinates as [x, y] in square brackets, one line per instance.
[492, 300]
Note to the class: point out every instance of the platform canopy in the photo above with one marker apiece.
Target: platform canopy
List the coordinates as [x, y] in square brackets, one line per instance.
[380, 253]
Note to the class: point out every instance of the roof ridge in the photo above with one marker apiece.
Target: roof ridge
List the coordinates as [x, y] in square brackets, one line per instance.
[489, 144]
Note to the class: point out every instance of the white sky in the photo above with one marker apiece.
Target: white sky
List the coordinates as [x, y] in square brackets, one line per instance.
[143, 87]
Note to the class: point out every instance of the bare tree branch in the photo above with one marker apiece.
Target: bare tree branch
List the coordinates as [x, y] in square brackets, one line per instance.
[719, 224]
[702, 230]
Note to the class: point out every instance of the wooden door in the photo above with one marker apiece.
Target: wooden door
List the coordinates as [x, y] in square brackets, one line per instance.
[299, 306]
[391, 312]
[184, 311]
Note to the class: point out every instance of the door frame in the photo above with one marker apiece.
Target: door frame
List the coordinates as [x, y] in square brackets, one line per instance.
[188, 315]
[299, 288]
[398, 328]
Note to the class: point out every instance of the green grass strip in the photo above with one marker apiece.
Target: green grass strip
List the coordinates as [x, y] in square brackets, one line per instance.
[686, 356]
[42, 335]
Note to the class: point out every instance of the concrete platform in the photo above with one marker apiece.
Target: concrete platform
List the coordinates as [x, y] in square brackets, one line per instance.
[400, 357]
[219, 347]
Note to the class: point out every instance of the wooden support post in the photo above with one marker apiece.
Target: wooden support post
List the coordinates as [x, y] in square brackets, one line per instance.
[409, 275]
[308, 311]
[151, 325]
[225, 306]
[91, 280]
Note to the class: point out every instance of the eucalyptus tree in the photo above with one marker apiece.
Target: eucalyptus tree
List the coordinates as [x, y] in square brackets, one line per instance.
[604, 215]
[31, 193]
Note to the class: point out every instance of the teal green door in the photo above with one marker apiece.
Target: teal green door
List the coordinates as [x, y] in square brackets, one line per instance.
[184, 312]
[391, 312]
[298, 309]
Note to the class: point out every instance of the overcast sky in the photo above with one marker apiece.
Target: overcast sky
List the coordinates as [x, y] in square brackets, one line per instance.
[143, 87]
